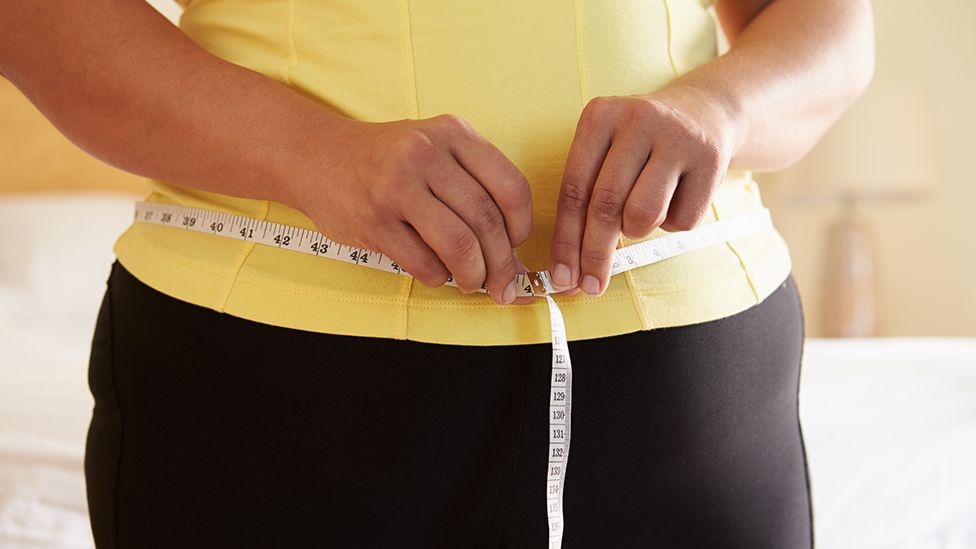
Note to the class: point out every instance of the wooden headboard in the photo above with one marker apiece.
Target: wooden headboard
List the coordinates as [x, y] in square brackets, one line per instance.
[36, 157]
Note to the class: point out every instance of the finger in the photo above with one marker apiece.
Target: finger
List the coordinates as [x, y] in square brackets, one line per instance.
[402, 244]
[450, 237]
[647, 205]
[626, 159]
[502, 179]
[468, 199]
[586, 154]
[570, 292]
[691, 201]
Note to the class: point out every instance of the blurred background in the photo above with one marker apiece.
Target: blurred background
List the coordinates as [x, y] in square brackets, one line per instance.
[888, 194]
[878, 218]
[903, 153]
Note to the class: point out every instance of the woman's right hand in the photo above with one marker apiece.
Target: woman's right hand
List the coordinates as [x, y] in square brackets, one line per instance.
[432, 194]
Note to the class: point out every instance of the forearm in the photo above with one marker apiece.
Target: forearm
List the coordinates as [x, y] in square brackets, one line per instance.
[132, 90]
[791, 71]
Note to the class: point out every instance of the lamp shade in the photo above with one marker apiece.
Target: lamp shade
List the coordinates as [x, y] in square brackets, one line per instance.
[882, 146]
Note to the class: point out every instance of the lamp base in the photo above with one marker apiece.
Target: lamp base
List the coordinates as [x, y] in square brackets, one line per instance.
[849, 284]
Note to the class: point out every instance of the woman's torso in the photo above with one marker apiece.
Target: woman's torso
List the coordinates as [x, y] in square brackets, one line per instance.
[520, 73]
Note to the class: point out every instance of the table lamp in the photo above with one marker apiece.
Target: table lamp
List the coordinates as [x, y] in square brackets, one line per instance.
[879, 150]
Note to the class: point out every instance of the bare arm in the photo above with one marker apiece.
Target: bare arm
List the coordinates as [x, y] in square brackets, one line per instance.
[640, 162]
[794, 66]
[128, 87]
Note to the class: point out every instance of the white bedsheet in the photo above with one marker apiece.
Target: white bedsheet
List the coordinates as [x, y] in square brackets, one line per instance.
[45, 407]
[890, 428]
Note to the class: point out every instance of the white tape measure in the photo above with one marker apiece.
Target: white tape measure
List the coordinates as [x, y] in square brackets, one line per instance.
[539, 283]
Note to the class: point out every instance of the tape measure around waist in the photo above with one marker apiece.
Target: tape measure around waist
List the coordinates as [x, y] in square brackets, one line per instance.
[538, 283]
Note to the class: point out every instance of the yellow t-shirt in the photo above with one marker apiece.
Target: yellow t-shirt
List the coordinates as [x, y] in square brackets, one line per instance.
[520, 72]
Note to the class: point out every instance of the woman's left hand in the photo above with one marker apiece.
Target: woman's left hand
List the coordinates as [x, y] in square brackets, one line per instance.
[637, 162]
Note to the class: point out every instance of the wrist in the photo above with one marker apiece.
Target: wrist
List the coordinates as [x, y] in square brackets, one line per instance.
[310, 158]
[716, 108]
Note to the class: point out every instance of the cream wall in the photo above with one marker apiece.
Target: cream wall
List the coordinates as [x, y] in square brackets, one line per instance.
[169, 8]
[925, 250]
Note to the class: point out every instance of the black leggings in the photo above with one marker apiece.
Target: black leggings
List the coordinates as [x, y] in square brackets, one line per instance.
[214, 431]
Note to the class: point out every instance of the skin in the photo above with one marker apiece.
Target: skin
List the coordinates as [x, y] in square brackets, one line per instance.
[131, 89]
[654, 160]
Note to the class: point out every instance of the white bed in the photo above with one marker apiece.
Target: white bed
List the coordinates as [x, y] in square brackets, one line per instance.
[890, 424]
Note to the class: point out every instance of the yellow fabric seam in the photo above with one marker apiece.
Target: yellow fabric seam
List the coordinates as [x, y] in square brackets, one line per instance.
[634, 293]
[414, 105]
[357, 298]
[241, 261]
[425, 303]
[578, 27]
[175, 258]
[636, 297]
[286, 76]
[285, 73]
[493, 306]
[332, 296]
[414, 303]
[674, 68]
[667, 11]
[742, 263]
[292, 49]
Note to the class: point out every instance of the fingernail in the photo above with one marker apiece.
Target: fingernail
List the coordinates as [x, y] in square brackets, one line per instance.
[590, 285]
[509, 294]
[560, 275]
